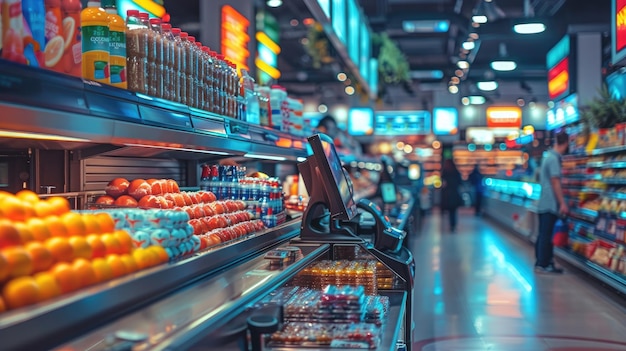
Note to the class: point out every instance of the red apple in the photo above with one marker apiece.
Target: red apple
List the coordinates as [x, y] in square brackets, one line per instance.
[187, 198]
[173, 186]
[231, 205]
[190, 212]
[208, 210]
[179, 200]
[198, 211]
[156, 185]
[125, 201]
[196, 225]
[117, 187]
[139, 188]
[105, 200]
[218, 207]
[215, 239]
[195, 198]
[149, 201]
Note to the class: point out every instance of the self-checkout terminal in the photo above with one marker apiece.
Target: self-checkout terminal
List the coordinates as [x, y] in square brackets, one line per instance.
[332, 216]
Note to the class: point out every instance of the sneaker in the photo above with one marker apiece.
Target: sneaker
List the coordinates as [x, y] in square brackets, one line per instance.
[549, 269]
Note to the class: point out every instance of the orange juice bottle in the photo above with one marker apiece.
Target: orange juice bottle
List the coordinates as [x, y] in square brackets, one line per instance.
[117, 45]
[95, 42]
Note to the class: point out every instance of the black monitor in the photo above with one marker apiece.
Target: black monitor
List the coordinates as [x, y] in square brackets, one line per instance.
[334, 181]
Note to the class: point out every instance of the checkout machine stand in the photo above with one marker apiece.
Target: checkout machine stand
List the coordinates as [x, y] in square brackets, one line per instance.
[386, 246]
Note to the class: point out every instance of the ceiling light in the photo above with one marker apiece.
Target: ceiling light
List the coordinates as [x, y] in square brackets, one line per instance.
[469, 45]
[308, 21]
[487, 86]
[349, 90]
[426, 26]
[463, 64]
[475, 24]
[322, 108]
[38, 136]
[427, 74]
[458, 73]
[503, 65]
[465, 101]
[453, 89]
[477, 100]
[294, 22]
[342, 77]
[455, 80]
[274, 3]
[479, 19]
[529, 28]
[474, 36]
[265, 157]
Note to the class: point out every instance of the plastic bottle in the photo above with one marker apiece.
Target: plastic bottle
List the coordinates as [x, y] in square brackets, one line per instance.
[72, 57]
[205, 178]
[296, 108]
[180, 66]
[188, 42]
[217, 94]
[136, 53]
[251, 105]
[155, 59]
[201, 88]
[169, 75]
[278, 100]
[117, 46]
[12, 31]
[215, 182]
[95, 42]
[34, 32]
[207, 62]
[53, 21]
[265, 109]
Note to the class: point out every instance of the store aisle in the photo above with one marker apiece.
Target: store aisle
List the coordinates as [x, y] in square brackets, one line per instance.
[475, 290]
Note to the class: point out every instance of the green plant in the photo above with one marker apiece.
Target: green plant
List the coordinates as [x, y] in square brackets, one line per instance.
[318, 46]
[604, 111]
[393, 66]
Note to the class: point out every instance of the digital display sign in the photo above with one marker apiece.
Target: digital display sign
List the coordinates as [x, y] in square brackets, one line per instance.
[235, 38]
[504, 117]
[325, 5]
[445, 121]
[402, 123]
[618, 28]
[558, 65]
[338, 19]
[360, 121]
[564, 112]
[354, 32]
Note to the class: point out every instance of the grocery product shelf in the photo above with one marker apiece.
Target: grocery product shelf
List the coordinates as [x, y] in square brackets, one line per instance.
[70, 316]
[604, 275]
[390, 331]
[609, 150]
[584, 214]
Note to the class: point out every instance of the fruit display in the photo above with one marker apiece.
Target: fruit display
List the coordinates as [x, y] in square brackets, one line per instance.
[46, 250]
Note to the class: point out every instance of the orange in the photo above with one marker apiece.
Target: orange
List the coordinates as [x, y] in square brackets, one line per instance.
[56, 227]
[38, 227]
[48, 285]
[13, 208]
[66, 277]
[9, 235]
[91, 223]
[117, 265]
[59, 204]
[69, 25]
[20, 292]
[61, 249]
[19, 260]
[74, 223]
[113, 246]
[24, 231]
[84, 272]
[53, 52]
[161, 253]
[97, 246]
[103, 269]
[27, 196]
[142, 258]
[80, 247]
[43, 209]
[129, 262]
[3, 306]
[125, 240]
[4, 267]
[41, 256]
[107, 225]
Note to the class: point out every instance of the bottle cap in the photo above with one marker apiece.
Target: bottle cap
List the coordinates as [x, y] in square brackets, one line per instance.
[176, 31]
[206, 49]
[191, 38]
[166, 26]
[155, 21]
[184, 34]
[199, 44]
[134, 13]
[144, 15]
[220, 56]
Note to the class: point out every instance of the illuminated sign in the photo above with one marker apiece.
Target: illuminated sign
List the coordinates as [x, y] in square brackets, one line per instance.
[480, 136]
[557, 62]
[564, 112]
[360, 121]
[504, 117]
[153, 7]
[402, 123]
[235, 37]
[267, 37]
[618, 28]
[445, 121]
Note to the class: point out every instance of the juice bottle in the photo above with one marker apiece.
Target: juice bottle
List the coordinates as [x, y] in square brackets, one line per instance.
[185, 67]
[54, 37]
[12, 32]
[117, 46]
[33, 35]
[192, 79]
[168, 61]
[72, 49]
[136, 53]
[155, 58]
[95, 42]
[201, 76]
[180, 78]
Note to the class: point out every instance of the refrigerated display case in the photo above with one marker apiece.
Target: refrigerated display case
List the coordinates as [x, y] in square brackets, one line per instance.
[100, 130]
[512, 203]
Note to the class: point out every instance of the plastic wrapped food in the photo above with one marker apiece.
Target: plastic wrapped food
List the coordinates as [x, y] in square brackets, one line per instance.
[345, 336]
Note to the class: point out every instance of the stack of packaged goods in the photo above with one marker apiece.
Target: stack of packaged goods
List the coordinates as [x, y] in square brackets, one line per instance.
[46, 250]
[376, 309]
[384, 277]
[341, 336]
[263, 196]
[199, 213]
[342, 272]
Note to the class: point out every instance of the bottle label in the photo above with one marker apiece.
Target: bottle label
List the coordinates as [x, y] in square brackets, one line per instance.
[52, 24]
[15, 9]
[95, 38]
[117, 44]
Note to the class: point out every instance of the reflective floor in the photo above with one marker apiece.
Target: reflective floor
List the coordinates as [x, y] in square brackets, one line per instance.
[476, 290]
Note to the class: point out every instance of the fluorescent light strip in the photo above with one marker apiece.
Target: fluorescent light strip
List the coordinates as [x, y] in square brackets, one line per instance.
[38, 136]
[179, 149]
[301, 159]
[480, 19]
[529, 28]
[265, 157]
[262, 38]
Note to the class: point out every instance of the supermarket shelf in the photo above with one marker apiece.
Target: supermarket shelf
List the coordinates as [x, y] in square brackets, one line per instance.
[604, 275]
[390, 331]
[584, 214]
[66, 113]
[598, 164]
[610, 180]
[609, 150]
[615, 196]
[68, 317]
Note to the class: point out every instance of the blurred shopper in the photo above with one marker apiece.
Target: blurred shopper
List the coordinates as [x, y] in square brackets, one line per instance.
[551, 204]
[476, 179]
[451, 198]
[328, 126]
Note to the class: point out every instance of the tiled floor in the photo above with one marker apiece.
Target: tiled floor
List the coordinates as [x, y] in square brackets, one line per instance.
[475, 290]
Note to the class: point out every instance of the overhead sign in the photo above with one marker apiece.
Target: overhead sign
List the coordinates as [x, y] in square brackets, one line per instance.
[618, 27]
[480, 136]
[564, 112]
[389, 123]
[504, 117]
[558, 64]
[235, 38]
[445, 121]
[267, 37]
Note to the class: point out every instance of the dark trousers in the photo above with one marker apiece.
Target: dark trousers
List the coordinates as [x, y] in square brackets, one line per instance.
[544, 249]
[452, 217]
[478, 202]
